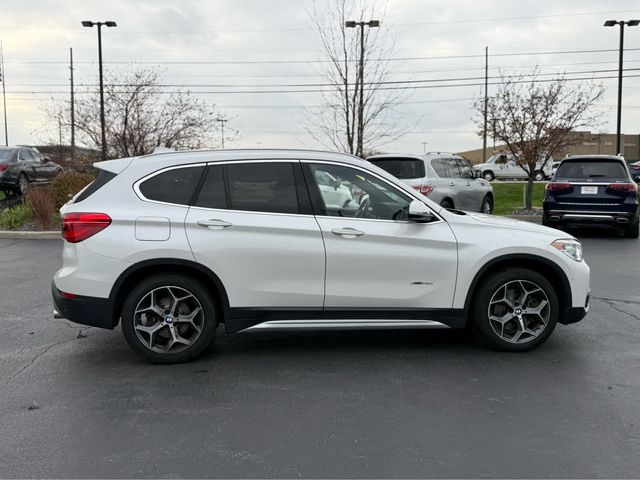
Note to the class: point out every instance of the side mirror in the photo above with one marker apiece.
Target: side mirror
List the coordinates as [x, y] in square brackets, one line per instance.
[420, 213]
[46, 159]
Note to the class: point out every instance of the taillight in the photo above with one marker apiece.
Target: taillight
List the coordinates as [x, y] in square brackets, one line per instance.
[3, 166]
[557, 186]
[425, 189]
[627, 187]
[77, 227]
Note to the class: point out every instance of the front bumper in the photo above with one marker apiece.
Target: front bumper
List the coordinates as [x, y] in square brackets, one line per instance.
[91, 311]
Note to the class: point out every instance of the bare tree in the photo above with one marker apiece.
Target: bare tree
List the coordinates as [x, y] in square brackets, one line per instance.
[534, 118]
[139, 117]
[335, 124]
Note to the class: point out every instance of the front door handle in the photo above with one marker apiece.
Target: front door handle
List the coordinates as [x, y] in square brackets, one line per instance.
[452, 184]
[347, 232]
[214, 224]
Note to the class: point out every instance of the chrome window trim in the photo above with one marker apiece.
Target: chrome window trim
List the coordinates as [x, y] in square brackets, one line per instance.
[136, 185]
[136, 189]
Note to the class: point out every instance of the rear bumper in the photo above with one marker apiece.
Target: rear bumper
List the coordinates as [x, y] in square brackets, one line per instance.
[620, 218]
[92, 311]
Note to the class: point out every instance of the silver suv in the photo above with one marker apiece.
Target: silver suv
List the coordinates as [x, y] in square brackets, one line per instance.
[446, 179]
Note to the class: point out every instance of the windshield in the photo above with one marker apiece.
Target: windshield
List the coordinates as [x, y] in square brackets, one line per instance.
[401, 167]
[592, 169]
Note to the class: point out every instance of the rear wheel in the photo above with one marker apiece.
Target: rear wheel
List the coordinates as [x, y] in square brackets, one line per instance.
[446, 203]
[23, 184]
[488, 175]
[169, 318]
[538, 176]
[487, 205]
[515, 310]
[633, 230]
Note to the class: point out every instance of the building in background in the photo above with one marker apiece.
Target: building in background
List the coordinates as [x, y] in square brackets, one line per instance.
[582, 143]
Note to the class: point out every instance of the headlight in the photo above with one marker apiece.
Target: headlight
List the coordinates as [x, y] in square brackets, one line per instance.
[572, 248]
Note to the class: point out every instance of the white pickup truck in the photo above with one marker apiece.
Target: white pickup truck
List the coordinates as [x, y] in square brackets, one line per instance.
[504, 166]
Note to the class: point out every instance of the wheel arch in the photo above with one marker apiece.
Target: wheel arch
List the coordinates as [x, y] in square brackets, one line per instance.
[448, 198]
[551, 270]
[138, 271]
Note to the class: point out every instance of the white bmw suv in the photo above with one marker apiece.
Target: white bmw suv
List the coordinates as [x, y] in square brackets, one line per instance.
[171, 245]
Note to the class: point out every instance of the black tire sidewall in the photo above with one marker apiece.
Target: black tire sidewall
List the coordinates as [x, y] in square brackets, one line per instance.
[633, 231]
[480, 308]
[485, 200]
[155, 281]
[484, 175]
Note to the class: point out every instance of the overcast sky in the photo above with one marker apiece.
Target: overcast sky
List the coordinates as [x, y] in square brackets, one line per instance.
[160, 31]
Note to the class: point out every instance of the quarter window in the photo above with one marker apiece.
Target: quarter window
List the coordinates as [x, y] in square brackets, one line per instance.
[172, 186]
[355, 193]
[262, 187]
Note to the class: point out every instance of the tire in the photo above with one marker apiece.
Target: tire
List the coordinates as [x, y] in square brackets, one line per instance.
[488, 175]
[23, 184]
[153, 332]
[633, 230]
[487, 205]
[446, 203]
[545, 222]
[508, 335]
[538, 176]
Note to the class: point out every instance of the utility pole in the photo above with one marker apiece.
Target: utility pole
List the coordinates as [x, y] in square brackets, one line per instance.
[73, 115]
[353, 24]
[486, 103]
[221, 120]
[622, 23]
[4, 96]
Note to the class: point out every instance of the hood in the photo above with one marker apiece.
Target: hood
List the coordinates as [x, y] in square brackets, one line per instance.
[506, 222]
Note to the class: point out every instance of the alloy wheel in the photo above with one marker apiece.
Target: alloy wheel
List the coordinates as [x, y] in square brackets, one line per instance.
[23, 183]
[168, 319]
[519, 311]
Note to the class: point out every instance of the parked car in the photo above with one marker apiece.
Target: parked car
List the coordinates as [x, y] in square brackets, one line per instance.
[504, 166]
[22, 166]
[446, 179]
[634, 169]
[336, 195]
[594, 189]
[554, 168]
[173, 244]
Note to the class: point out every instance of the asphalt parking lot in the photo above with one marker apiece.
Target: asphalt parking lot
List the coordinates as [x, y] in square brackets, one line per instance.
[77, 402]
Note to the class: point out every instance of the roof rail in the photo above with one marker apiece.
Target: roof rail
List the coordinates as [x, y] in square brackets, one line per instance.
[441, 153]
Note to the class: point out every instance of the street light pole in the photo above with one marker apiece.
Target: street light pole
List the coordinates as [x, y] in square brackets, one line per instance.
[353, 24]
[89, 23]
[622, 23]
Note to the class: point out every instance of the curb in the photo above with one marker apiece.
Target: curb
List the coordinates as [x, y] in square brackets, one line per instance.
[20, 235]
[527, 218]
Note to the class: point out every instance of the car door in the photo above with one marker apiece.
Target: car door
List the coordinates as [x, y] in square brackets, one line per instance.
[458, 184]
[27, 164]
[39, 167]
[252, 225]
[501, 170]
[376, 258]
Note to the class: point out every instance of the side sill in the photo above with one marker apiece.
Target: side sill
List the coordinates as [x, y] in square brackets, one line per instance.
[295, 318]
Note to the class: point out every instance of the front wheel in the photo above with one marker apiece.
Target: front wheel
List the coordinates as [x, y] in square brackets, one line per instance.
[488, 175]
[515, 310]
[169, 318]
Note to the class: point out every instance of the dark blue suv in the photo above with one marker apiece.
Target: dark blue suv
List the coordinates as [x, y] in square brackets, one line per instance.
[595, 189]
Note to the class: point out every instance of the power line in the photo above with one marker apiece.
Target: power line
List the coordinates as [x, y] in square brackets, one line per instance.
[293, 62]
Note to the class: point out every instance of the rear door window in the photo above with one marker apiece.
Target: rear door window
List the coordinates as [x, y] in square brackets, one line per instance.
[175, 186]
[262, 187]
[404, 168]
[464, 168]
[453, 167]
[592, 169]
[440, 167]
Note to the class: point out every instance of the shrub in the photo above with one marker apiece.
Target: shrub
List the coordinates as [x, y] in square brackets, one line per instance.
[15, 217]
[67, 184]
[40, 199]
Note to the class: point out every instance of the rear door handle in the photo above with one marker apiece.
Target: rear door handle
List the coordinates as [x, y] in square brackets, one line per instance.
[214, 224]
[347, 232]
[452, 184]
